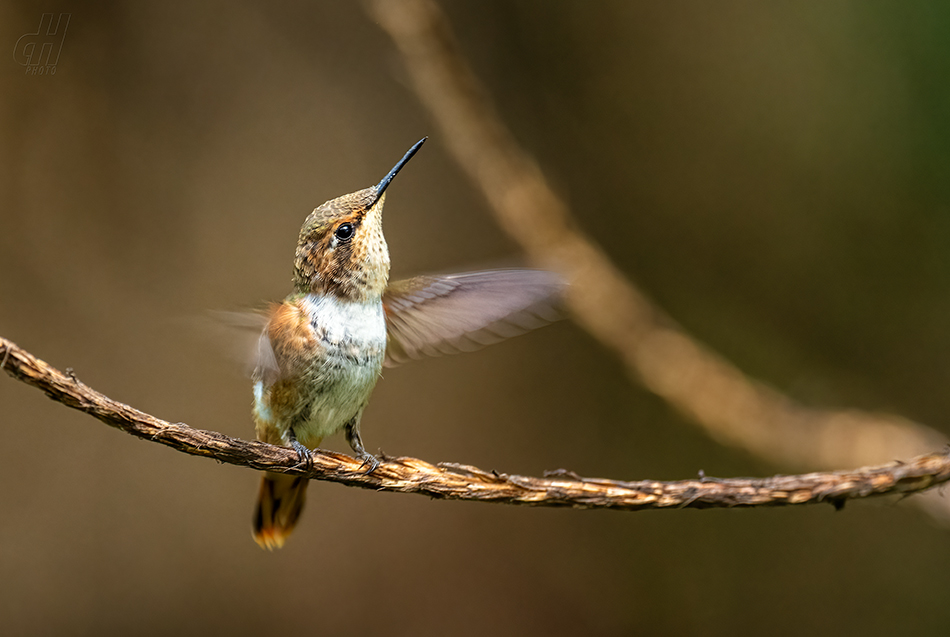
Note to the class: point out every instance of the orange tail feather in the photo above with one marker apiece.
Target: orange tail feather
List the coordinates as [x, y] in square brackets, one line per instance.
[279, 504]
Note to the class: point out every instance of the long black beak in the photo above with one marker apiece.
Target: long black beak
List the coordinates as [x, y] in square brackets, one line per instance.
[381, 186]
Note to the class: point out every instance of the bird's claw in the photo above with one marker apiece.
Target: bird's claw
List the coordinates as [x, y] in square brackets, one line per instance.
[303, 454]
[368, 459]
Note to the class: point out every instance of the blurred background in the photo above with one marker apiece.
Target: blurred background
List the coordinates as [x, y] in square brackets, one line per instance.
[773, 175]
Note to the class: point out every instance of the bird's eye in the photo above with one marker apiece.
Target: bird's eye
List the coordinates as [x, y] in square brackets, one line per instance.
[344, 232]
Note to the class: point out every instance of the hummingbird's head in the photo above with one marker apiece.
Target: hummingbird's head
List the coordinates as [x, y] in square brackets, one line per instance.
[341, 250]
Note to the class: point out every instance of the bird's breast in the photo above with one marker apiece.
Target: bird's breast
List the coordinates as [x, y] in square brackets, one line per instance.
[352, 342]
[349, 330]
[319, 391]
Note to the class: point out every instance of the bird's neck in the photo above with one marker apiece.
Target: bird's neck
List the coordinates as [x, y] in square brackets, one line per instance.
[358, 289]
[358, 273]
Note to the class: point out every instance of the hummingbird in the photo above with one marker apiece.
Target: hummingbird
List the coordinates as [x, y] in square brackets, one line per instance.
[323, 347]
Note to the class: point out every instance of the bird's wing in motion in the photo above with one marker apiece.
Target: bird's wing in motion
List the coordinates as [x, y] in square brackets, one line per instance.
[270, 339]
[435, 315]
[239, 335]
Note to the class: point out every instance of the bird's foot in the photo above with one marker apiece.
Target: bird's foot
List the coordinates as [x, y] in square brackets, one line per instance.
[303, 454]
[356, 443]
[368, 459]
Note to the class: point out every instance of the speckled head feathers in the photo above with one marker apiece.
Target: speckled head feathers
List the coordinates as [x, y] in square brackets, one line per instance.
[341, 250]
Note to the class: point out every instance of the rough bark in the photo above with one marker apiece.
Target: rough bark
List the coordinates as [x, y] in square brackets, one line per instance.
[460, 482]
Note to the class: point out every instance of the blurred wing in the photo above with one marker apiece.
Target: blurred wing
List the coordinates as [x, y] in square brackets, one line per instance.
[250, 343]
[435, 315]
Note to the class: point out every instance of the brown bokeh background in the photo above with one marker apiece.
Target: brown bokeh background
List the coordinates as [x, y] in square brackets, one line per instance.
[774, 175]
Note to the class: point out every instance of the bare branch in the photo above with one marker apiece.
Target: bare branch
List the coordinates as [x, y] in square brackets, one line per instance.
[461, 482]
[729, 406]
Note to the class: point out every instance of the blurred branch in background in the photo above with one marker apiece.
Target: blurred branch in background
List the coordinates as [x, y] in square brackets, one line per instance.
[459, 482]
[729, 406]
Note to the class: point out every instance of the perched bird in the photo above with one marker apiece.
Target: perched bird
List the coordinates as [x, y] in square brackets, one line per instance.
[323, 347]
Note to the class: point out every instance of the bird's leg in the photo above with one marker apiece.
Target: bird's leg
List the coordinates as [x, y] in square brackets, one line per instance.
[356, 443]
[303, 454]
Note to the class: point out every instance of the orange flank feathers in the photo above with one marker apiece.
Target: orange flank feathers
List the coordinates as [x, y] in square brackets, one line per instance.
[289, 331]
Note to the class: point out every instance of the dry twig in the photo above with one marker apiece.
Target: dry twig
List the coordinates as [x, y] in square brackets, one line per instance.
[461, 482]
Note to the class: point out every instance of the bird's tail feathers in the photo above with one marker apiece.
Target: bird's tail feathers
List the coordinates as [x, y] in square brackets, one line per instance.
[279, 504]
